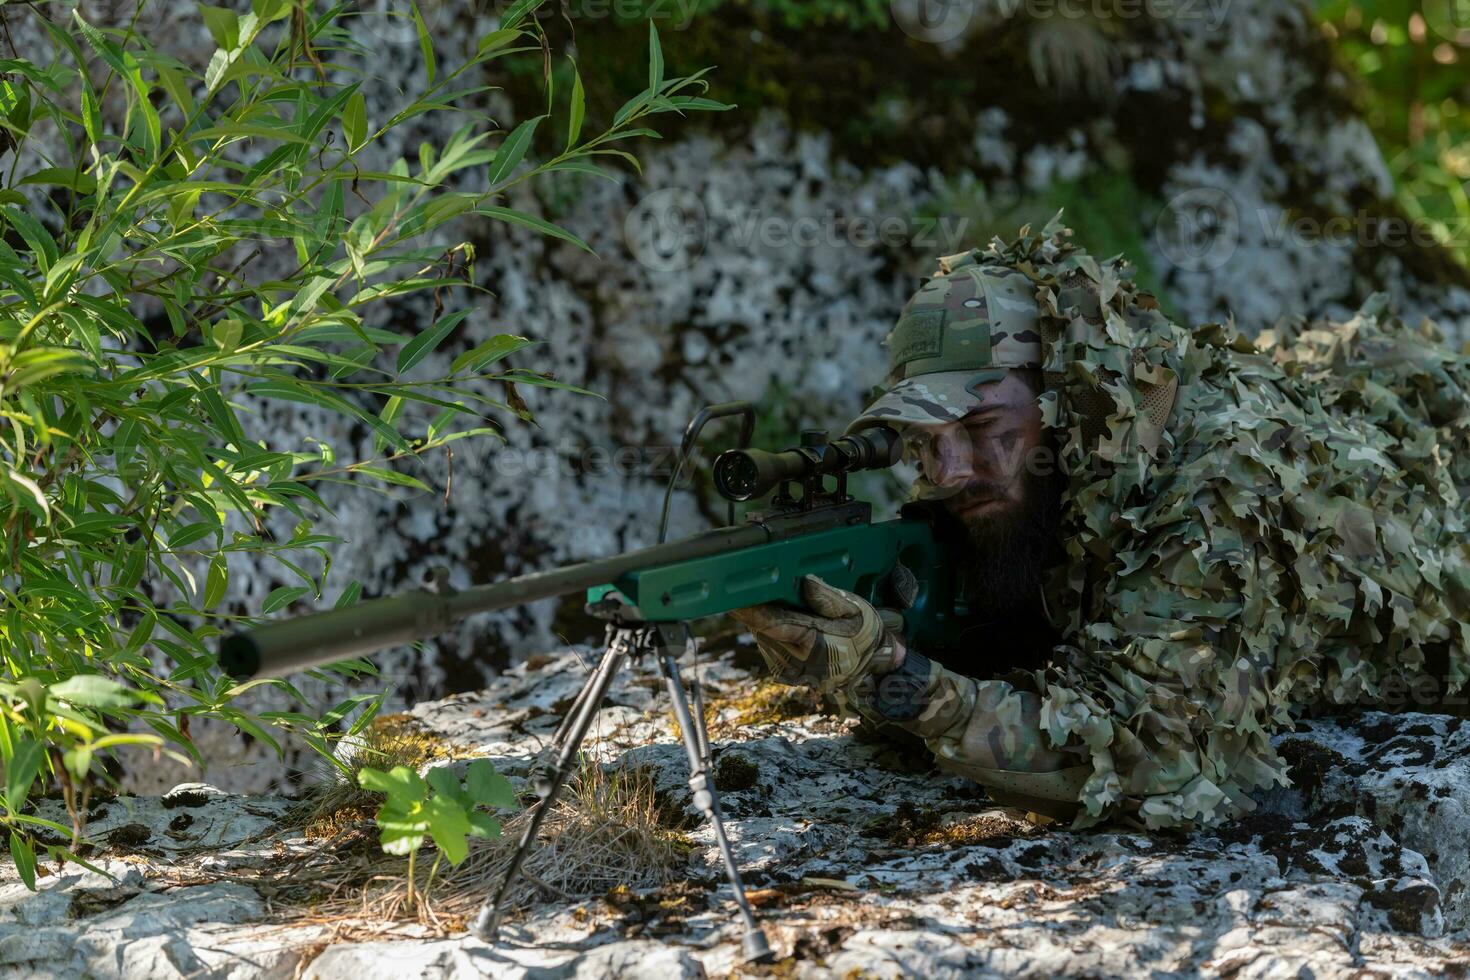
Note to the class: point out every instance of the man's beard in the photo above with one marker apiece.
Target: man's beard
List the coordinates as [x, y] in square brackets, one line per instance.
[1011, 550]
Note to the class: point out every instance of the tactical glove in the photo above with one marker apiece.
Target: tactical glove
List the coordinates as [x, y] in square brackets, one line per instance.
[832, 648]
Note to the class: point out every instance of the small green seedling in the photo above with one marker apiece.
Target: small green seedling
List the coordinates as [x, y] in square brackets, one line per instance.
[440, 807]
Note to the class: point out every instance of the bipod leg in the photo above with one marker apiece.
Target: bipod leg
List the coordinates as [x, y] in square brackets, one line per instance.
[696, 744]
[571, 716]
[568, 742]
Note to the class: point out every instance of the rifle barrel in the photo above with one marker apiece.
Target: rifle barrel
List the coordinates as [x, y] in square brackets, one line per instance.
[298, 643]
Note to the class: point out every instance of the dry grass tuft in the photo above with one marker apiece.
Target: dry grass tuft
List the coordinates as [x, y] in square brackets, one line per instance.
[339, 804]
[605, 832]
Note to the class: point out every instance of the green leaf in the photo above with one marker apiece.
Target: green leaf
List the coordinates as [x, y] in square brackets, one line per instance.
[21, 770]
[534, 223]
[393, 477]
[513, 150]
[35, 235]
[488, 787]
[91, 116]
[190, 533]
[401, 828]
[24, 857]
[655, 60]
[492, 350]
[426, 44]
[578, 108]
[216, 581]
[282, 597]
[443, 782]
[497, 39]
[343, 708]
[518, 12]
[425, 343]
[94, 691]
[234, 129]
[223, 26]
[401, 784]
[82, 183]
[78, 761]
[247, 724]
[349, 595]
[354, 118]
[580, 166]
[484, 825]
[449, 825]
[142, 633]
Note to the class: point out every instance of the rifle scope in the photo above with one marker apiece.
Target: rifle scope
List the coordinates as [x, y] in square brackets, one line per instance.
[745, 474]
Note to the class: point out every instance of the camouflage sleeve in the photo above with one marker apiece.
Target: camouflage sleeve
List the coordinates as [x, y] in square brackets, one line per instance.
[1175, 730]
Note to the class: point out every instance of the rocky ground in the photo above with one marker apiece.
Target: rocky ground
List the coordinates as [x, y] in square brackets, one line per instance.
[862, 864]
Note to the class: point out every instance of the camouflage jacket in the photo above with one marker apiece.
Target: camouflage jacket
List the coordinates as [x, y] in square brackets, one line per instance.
[1292, 537]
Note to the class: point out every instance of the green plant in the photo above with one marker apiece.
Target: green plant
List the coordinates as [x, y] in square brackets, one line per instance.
[138, 328]
[1417, 101]
[441, 808]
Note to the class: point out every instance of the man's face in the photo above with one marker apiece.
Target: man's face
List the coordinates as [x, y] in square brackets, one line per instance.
[994, 472]
[978, 465]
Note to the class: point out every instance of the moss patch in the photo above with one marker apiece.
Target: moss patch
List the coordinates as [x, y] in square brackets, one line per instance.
[765, 703]
[913, 826]
[1308, 764]
[734, 773]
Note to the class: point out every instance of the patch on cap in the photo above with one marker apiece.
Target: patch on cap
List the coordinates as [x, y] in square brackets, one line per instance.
[919, 334]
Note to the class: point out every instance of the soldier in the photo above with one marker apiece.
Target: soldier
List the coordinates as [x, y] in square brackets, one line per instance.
[1181, 539]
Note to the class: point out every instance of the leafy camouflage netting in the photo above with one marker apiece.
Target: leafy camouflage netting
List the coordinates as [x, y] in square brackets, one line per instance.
[1293, 538]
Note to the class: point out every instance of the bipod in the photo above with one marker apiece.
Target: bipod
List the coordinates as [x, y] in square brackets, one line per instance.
[626, 641]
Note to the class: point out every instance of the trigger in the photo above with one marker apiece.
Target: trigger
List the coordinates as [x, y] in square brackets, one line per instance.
[903, 587]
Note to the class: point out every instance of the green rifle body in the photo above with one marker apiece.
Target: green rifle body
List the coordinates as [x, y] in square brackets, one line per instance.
[714, 572]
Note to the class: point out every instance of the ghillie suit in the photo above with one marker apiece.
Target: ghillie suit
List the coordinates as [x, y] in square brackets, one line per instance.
[1293, 537]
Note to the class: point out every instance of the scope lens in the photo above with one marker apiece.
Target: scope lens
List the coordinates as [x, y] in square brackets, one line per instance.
[736, 475]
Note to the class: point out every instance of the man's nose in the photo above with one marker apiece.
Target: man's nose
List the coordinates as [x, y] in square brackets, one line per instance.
[949, 457]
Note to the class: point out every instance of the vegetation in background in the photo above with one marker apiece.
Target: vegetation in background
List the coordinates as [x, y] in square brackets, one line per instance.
[1105, 206]
[136, 327]
[1414, 60]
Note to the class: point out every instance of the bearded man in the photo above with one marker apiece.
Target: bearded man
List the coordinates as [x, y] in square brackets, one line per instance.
[1180, 540]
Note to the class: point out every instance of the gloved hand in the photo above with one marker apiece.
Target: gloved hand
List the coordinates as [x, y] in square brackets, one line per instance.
[831, 648]
[990, 731]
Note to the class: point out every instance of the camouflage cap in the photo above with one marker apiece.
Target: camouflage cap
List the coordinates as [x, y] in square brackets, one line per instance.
[964, 328]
